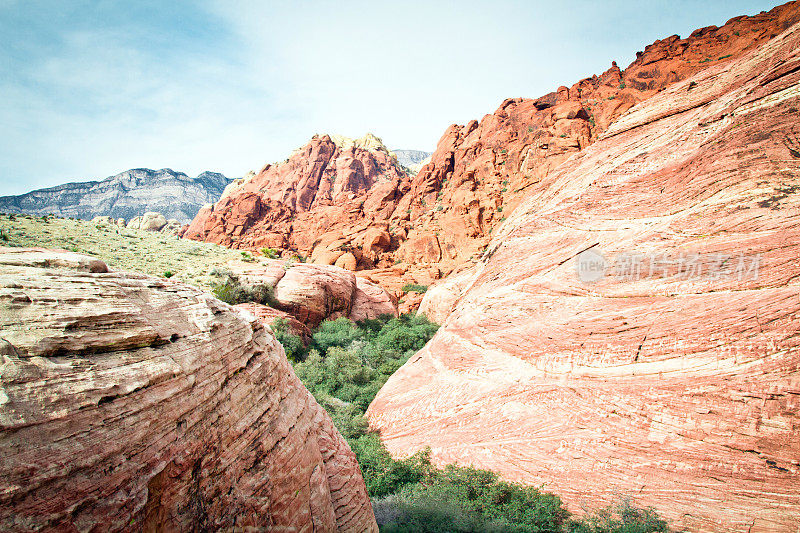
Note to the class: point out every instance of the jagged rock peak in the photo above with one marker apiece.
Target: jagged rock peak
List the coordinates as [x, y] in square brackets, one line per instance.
[369, 141]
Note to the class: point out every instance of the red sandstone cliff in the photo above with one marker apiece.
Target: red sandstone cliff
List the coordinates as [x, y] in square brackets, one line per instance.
[350, 204]
[675, 377]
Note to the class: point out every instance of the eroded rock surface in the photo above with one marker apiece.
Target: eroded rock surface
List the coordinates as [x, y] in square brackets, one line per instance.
[674, 378]
[132, 403]
[313, 293]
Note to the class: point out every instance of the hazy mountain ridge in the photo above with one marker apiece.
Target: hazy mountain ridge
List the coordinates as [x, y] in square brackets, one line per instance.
[411, 158]
[124, 195]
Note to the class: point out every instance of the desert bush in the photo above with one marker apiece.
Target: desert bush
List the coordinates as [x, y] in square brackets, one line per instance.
[346, 365]
[622, 517]
[415, 287]
[293, 345]
[270, 253]
[231, 290]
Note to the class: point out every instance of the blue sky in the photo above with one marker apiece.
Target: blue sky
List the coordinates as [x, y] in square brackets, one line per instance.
[93, 88]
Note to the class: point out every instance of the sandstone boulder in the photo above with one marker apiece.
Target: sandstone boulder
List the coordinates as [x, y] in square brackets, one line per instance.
[347, 261]
[150, 221]
[141, 404]
[371, 301]
[376, 240]
[633, 328]
[312, 293]
[106, 220]
[172, 227]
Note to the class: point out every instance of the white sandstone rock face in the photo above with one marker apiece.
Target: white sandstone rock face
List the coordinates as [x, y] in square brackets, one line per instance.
[138, 403]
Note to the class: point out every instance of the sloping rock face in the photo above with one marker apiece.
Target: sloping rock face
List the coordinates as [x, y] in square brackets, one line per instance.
[313, 293]
[267, 315]
[634, 327]
[131, 403]
[126, 195]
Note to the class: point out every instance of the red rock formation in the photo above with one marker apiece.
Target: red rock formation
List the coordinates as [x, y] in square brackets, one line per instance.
[677, 385]
[480, 172]
[313, 293]
[320, 201]
[131, 403]
[329, 200]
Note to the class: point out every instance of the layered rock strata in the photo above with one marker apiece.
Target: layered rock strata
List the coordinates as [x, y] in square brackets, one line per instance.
[132, 403]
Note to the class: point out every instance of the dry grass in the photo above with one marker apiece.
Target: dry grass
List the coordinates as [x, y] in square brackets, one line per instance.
[122, 249]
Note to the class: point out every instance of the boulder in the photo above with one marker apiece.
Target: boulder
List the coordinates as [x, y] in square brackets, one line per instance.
[313, 293]
[105, 220]
[172, 227]
[371, 301]
[347, 261]
[150, 221]
[376, 241]
[142, 404]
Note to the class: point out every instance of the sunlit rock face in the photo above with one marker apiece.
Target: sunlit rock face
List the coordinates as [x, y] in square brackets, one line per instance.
[633, 327]
[132, 403]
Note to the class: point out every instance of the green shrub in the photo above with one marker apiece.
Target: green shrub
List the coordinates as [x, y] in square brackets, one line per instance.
[270, 253]
[169, 274]
[230, 290]
[623, 517]
[293, 345]
[345, 368]
[415, 287]
[246, 256]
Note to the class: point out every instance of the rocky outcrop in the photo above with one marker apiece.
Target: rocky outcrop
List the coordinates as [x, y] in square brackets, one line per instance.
[481, 171]
[324, 199]
[632, 328]
[125, 195]
[131, 403]
[320, 202]
[267, 315]
[313, 293]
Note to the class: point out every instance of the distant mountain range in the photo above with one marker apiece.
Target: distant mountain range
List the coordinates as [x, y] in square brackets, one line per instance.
[126, 195]
[413, 159]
